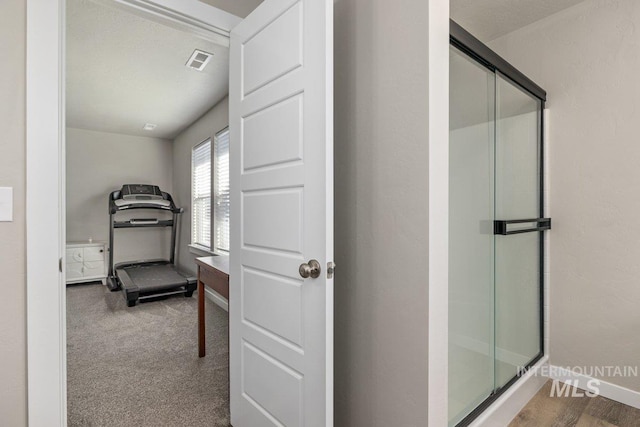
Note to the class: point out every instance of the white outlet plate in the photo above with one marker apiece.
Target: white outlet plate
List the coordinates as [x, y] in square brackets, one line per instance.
[6, 204]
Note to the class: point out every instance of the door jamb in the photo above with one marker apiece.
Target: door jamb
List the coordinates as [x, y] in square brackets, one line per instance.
[438, 321]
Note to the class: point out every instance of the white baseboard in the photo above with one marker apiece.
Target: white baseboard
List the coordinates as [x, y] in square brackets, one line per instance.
[217, 299]
[605, 389]
[511, 402]
[507, 406]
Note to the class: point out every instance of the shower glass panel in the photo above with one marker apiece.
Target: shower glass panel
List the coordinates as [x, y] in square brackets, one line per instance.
[471, 241]
[495, 233]
[517, 257]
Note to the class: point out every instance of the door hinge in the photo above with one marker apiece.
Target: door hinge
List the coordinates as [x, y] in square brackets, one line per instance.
[60, 265]
[331, 268]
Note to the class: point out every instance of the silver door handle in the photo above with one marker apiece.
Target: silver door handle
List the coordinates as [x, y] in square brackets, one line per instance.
[310, 269]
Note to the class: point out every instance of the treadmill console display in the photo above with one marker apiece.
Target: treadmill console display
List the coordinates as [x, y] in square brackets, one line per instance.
[141, 192]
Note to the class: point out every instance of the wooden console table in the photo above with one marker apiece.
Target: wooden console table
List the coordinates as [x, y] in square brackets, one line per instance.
[213, 271]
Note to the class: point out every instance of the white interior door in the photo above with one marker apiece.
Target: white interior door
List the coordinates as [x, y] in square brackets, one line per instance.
[281, 129]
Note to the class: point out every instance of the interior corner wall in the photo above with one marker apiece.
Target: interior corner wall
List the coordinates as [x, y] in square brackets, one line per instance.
[213, 121]
[587, 58]
[239, 8]
[13, 310]
[98, 163]
[381, 212]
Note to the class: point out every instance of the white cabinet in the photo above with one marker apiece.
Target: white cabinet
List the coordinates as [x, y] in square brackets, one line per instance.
[86, 262]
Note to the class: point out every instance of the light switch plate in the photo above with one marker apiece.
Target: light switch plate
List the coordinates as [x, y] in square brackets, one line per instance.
[6, 204]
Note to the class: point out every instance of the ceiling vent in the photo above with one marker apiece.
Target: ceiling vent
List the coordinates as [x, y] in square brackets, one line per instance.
[198, 60]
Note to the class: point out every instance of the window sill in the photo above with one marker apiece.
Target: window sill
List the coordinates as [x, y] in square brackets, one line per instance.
[200, 250]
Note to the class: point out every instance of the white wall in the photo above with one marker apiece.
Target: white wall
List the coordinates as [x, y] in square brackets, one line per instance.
[213, 121]
[381, 212]
[13, 346]
[587, 58]
[98, 163]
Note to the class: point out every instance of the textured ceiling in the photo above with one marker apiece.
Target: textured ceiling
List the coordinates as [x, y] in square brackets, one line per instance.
[124, 71]
[490, 19]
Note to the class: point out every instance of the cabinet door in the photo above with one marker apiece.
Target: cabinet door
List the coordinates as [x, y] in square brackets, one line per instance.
[93, 253]
[93, 269]
[74, 255]
[74, 270]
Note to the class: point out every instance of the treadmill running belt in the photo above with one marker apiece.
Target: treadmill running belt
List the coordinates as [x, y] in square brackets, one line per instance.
[155, 277]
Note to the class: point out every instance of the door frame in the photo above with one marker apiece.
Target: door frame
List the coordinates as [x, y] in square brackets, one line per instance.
[45, 175]
[438, 269]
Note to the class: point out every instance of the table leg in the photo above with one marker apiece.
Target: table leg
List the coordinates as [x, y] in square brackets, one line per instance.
[201, 348]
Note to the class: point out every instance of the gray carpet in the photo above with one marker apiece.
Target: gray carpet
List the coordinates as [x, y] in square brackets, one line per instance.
[139, 366]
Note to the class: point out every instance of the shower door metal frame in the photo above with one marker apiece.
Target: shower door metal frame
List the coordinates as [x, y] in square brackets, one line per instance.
[478, 51]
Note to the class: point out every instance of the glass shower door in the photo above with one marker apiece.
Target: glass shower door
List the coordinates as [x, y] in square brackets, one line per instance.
[495, 233]
[471, 240]
[517, 254]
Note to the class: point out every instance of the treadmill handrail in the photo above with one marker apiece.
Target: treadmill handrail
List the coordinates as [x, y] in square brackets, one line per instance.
[132, 224]
[141, 204]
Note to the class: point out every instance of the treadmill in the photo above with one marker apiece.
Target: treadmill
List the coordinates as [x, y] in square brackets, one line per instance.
[146, 279]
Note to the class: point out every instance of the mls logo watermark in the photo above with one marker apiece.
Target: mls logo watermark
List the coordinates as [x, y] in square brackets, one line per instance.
[573, 388]
[578, 381]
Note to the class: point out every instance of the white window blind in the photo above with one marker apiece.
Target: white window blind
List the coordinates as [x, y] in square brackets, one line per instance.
[201, 194]
[221, 191]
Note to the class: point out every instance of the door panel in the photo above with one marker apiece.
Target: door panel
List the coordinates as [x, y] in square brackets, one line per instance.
[274, 50]
[471, 153]
[283, 210]
[263, 291]
[267, 142]
[517, 267]
[280, 101]
[261, 373]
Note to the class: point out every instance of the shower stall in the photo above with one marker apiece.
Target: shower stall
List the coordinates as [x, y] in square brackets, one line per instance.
[496, 225]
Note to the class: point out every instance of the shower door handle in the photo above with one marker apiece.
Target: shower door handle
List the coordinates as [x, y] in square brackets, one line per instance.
[519, 226]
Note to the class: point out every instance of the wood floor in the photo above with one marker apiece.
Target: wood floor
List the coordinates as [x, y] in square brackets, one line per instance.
[546, 411]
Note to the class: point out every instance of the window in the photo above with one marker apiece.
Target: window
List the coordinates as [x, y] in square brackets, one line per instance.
[221, 191]
[201, 195]
[211, 206]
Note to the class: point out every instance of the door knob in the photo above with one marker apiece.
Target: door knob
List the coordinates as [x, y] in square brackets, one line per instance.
[310, 269]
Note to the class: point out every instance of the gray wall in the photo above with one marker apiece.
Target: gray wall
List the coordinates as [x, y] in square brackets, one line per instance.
[213, 121]
[381, 212]
[586, 57]
[13, 347]
[239, 8]
[100, 162]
